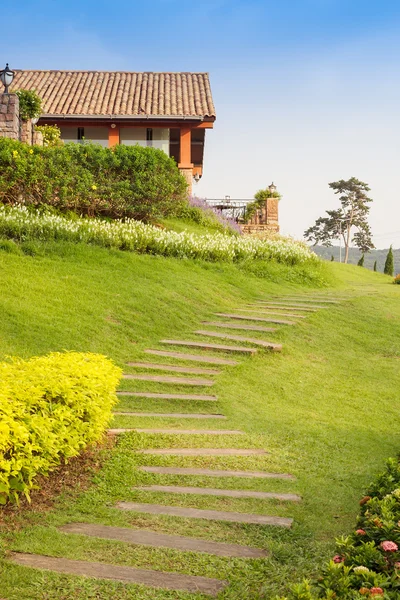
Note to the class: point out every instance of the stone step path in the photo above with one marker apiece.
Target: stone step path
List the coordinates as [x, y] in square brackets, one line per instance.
[179, 431]
[173, 368]
[169, 396]
[271, 312]
[156, 579]
[204, 451]
[292, 307]
[239, 338]
[215, 473]
[208, 515]
[209, 346]
[214, 360]
[312, 299]
[166, 379]
[239, 326]
[251, 318]
[162, 540]
[180, 489]
[171, 415]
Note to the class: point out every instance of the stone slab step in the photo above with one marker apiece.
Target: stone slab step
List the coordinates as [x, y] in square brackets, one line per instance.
[180, 489]
[239, 326]
[171, 415]
[251, 318]
[292, 307]
[174, 369]
[157, 579]
[169, 396]
[214, 473]
[239, 338]
[204, 451]
[162, 540]
[179, 431]
[271, 312]
[313, 299]
[208, 515]
[213, 360]
[209, 346]
[166, 379]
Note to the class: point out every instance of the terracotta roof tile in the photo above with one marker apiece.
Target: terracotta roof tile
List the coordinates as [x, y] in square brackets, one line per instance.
[119, 93]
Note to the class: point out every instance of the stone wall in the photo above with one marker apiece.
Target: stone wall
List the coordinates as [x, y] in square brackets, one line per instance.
[265, 219]
[11, 125]
[9, 116]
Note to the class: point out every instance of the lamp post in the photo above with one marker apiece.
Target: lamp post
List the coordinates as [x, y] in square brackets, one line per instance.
[6, 78]
[272, 188]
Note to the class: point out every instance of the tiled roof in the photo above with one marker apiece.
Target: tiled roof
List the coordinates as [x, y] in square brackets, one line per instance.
[106, 93]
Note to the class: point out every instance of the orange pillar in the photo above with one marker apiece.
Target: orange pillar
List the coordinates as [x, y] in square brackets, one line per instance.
[186, 151]
[185, 163]
[113, 136]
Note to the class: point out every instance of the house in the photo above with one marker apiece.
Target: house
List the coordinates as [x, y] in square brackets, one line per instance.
[170, 111]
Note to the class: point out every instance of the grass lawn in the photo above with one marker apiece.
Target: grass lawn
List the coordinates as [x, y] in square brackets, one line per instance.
[324, 409]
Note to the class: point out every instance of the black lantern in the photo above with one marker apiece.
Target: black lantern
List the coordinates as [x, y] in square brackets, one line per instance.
[272, 188]
[6, 78]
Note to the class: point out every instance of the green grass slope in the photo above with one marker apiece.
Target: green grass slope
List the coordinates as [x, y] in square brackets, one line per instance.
[325, 408]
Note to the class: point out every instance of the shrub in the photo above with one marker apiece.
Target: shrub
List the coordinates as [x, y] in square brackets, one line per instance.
[389, 266]
[23, 224]
[198, 211]
[259, 200]
[50, 409]
[30, 104]
[367, 563]
[51, 135]
[397, 279]
[125, 181]
[361, 261]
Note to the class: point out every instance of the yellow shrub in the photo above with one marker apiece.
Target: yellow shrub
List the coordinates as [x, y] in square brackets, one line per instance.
[51, 408]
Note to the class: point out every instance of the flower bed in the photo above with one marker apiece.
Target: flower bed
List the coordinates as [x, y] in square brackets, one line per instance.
[21, 224]
[367, 563]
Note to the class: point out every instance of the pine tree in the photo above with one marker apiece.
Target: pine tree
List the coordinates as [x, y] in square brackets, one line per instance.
[389, 266]
[375, 266]
[361, 261]
[332, 258]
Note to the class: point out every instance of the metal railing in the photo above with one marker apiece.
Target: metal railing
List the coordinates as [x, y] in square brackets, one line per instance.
[233, 208]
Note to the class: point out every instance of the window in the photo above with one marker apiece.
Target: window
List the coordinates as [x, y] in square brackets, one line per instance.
[81, 133]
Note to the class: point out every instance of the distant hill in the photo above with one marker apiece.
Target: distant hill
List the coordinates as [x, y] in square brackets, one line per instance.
[355, 255]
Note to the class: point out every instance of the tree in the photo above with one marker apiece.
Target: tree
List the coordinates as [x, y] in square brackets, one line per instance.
[350, 217]
[389, 266]
[332, 258]
[361, 261]
[375, 266]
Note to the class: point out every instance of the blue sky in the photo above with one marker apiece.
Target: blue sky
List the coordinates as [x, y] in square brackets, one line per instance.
[306, 91]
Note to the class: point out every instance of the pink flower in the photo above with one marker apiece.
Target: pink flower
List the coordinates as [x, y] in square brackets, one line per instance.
[337, 559]
[376, 591]
[389, 546]
[360, 532]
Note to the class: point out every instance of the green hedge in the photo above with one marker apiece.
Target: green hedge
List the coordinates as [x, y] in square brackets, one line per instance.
[51, 408]
[124, 181]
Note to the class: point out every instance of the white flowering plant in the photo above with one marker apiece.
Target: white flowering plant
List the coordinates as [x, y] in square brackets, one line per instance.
[21, 223]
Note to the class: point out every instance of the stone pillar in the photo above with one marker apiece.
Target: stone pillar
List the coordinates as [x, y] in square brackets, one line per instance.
[272, 220]
[37, 138]
[188, 175]
[9, 116]
[26, 128]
